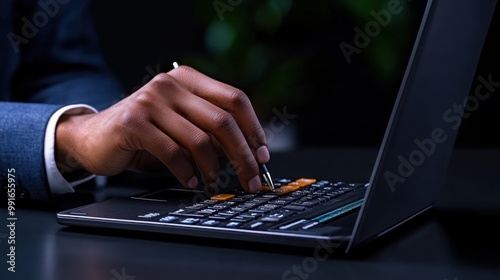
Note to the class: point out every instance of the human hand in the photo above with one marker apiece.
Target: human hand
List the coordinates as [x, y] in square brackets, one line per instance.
[178, 119]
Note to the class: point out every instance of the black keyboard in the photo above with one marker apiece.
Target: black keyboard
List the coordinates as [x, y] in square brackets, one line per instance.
[268, 208]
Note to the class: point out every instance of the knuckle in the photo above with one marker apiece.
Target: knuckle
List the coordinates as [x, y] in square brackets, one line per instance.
[237, 99]
[173, 153]
[144, 101]
[223, 121]
[201, 142]
[132, 120]
[186, 69]
[162, 80]
[260, 137]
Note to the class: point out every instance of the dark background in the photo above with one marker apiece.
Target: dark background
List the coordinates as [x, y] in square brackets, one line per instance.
[265, 59]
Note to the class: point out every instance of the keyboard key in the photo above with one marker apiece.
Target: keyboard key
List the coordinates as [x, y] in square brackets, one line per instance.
[279, 201]
[209, 202]
[251, 214]
[168, 219]
[295, 184]
[206, 212]
[277, 184]
[306, 181]
[186, 213]
[228, 203]
[302, 182]
[286, 189]
[255, 225]
[239, 209]
[310, 203]
[266, 188]
[218, 207]
[190, 221]
[288, 198]
[233, 224]
[259, 200]
[299, 193]
[248, 205]
[219, 217]
[149, 215]
[283, 181]
[258, 225]
[277, 216]
[270, 195]
[307, 203]
[210, 223]
[334, 194]
[245, 195]
[196, 206]
[295, 207]
[228, 213]
[222, 197]
[270, 206]
[260, 210]
[242, 219]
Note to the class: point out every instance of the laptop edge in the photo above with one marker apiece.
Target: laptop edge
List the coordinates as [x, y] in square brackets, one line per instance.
[439, 75]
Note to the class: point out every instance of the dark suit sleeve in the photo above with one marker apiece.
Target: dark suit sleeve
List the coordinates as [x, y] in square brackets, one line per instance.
[60, 65]
[22, 133]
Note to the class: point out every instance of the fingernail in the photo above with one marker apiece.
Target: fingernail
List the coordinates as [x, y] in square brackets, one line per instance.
[192, 183]
[255, 185]
[263, 154]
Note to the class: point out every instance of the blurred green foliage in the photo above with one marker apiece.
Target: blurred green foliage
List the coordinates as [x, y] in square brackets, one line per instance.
[250, 44]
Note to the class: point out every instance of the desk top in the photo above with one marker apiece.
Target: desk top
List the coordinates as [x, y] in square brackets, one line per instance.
[457, 240]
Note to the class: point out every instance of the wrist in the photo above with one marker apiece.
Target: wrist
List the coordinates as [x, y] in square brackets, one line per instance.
[66, 156]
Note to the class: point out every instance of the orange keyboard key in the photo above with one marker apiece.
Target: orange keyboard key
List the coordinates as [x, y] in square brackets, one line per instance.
[290, 187]
[286, 189]
[222, 197]
[305, 181]
[298, 184]
[266, 188]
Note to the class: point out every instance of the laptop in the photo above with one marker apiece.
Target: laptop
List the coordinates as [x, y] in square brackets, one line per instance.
[445, 47]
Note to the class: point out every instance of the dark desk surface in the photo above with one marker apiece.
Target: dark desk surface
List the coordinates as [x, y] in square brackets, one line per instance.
[456, 241]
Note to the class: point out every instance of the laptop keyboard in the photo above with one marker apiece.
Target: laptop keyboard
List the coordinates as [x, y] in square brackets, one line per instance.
[267, 208]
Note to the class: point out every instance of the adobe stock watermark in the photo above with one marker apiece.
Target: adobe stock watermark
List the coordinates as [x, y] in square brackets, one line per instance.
[223, 6]
[122, 275]
[30, 28]
[363, 38]
[150, 74]
[310, 265]
[72, 160]
[425, 148]
[278, 123]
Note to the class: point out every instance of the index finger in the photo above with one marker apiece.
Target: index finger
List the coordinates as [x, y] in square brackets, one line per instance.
[232, 100]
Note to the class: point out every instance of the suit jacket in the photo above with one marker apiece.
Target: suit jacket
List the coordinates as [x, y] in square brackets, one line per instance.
[49, 58]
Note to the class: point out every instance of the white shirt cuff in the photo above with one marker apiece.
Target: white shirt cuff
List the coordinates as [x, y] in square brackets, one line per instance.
[57, 183]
